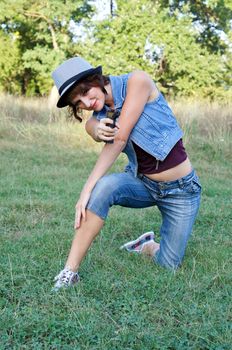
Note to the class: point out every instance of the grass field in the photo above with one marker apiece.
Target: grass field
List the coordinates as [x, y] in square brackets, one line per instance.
[123, 301]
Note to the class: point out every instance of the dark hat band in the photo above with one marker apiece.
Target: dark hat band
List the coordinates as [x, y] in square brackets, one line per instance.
[78, 77]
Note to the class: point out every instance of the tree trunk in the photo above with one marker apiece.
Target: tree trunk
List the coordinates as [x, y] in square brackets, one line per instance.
[54, 42]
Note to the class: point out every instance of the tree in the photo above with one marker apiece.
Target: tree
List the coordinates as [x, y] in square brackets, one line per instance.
[43, 36]
[146, 35]
[11, 58]
[184, 45]
[210, 18]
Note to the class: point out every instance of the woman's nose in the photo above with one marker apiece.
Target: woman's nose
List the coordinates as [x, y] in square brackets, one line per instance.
[86, 101]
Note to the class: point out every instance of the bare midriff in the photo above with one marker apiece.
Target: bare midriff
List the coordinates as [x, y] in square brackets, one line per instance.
[174, 173]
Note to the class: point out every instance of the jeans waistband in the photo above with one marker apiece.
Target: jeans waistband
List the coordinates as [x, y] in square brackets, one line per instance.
[169, 184]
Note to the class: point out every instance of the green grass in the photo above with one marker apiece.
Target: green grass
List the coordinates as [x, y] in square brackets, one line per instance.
[123, 301]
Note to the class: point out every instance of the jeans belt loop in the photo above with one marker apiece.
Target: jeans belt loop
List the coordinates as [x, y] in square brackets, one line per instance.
[181, 183]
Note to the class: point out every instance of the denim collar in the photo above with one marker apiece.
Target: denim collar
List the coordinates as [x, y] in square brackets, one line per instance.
[116, 86]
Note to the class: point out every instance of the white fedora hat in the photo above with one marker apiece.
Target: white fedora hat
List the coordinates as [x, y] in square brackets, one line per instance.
[69, 73]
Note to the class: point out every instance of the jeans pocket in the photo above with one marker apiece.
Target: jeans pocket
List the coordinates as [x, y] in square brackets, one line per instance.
[193, 186]
[196, 184]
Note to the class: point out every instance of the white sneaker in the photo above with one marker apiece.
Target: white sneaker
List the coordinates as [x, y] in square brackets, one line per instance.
[138, 244]
[66, 278]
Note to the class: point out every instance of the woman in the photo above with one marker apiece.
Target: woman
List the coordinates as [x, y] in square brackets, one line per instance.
[159, 171]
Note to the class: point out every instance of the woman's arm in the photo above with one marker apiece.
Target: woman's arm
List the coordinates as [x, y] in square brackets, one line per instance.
[139, 88]
[91, 128]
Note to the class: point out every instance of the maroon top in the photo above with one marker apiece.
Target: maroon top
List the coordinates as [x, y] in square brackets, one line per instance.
[147, 164]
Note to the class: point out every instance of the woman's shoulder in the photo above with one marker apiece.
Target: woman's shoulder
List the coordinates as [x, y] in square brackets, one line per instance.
[136, 76]
[140, 76]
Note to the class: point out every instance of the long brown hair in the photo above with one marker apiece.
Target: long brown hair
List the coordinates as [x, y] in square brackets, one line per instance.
[83, 86]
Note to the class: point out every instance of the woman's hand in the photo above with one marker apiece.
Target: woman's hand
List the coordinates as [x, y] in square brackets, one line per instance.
[81, 208]
[104, 132]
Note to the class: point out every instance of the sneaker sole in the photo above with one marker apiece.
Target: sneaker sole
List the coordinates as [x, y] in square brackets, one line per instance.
[139, 241]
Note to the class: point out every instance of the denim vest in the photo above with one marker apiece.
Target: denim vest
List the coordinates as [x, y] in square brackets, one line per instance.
[156, 130]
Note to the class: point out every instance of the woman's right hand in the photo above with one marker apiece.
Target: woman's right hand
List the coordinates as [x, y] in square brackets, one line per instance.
[104, 132]
[81, 208]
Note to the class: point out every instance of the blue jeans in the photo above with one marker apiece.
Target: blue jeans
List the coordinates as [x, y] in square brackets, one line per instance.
[178, 202]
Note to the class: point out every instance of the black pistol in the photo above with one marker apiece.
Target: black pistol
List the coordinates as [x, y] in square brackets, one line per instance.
[113, 115]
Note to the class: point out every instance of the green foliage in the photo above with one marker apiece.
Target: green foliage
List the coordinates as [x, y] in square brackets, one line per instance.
[180, 43]
[41, 29]
[208, 16]
[39, 61]
[9, 61]
[174, 57]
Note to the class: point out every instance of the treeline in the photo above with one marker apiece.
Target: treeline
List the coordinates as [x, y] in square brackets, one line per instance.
[186, 46]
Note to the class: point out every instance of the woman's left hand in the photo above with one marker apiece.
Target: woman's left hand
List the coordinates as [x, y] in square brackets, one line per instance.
[81, 208]
[104, 132]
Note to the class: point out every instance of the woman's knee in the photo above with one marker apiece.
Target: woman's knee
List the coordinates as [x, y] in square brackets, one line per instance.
[169, 260]
[105, 187]
[104, 195]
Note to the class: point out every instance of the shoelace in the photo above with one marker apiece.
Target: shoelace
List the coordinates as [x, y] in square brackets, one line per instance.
[66, 276]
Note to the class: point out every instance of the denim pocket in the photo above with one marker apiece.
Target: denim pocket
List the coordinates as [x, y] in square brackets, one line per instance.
[193, 186]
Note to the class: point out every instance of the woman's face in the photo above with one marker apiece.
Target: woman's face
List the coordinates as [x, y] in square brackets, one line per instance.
[90, 100]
